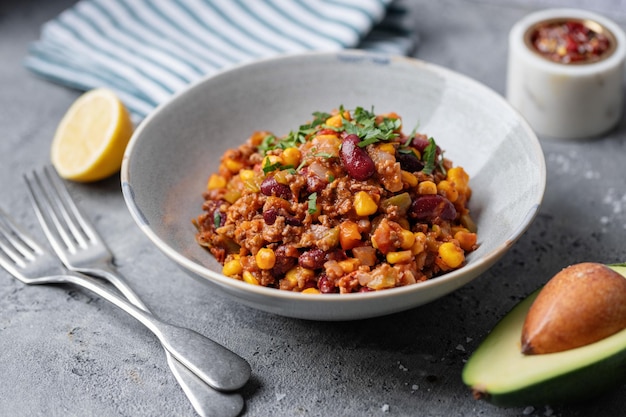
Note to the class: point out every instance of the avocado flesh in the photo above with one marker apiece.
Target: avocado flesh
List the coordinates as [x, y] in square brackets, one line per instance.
[498, 372]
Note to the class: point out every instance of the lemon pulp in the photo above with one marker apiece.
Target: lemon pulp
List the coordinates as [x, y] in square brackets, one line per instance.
[90, 140]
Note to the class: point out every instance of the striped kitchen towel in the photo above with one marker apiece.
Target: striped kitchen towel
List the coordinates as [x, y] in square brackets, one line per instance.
[147, 50]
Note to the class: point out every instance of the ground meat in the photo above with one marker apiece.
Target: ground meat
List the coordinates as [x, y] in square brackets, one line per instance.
[384, 211]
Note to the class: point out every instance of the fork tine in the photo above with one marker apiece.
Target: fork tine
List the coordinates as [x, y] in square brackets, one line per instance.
[16, 244]
[46, 211]
[66, 202]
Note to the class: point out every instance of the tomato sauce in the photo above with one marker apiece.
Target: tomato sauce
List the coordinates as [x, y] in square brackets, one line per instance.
[571, 41]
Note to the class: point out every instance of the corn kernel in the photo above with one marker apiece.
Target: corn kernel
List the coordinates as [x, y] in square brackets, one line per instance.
[281, 177]
[299, 274]
[455, 229]
[216, 181]
[265, 258]
[399, 257]
[466, 240]
[258, 137]
[391, 115]
[448, 190]
[231, 196]
[427, 187]
[451, 254]
[232, 268]
[246, 174]
[311, 290]
[249, 278]
[349, 265]
[460, 179]
[409, 178]
[419, 244]
[270, 160]
[292, 276]
[387, 147]
[233, 165]
[291, 156]
[335, 121]
[364, 205]
[407, 239]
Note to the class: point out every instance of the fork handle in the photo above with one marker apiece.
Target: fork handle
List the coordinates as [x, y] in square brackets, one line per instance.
[108, 272]
[213, 363]
[204, 399]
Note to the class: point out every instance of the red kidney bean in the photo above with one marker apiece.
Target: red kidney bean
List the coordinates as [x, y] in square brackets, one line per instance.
[428, 207]
[314, 184]
[325, 286]
[312, 259]
[283, 262]
[355, 159]
[269, 216]
[420, 143]
[409, 162]
[336, 255]
[270, 186]
[292, 221]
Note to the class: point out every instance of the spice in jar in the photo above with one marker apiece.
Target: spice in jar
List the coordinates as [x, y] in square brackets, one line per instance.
[571, 41]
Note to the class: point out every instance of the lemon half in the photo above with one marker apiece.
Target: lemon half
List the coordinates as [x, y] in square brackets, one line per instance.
[90, 140]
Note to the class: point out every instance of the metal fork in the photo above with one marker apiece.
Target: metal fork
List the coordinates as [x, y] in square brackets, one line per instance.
[78, 244]
[23, 258]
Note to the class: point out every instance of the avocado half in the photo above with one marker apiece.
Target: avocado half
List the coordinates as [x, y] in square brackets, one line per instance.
[499, 373]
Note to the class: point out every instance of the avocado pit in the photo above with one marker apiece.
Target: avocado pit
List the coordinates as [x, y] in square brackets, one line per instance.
[580, 305]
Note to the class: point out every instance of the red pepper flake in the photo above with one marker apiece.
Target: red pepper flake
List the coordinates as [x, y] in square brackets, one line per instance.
[570, 41]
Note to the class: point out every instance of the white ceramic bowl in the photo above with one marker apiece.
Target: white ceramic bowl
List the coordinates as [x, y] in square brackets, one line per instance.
[173, 151]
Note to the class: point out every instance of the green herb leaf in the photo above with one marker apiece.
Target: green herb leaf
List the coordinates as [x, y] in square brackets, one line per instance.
[267, 144]
[268, 167]
[324, 155]
[312, 200]
[430, 154]
[410, 138]
[364, 125]
[217, 218]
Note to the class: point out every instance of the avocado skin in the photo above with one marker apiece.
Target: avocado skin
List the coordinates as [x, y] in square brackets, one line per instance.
[575, 386]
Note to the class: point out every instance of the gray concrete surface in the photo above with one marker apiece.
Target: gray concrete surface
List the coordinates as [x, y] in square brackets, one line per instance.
[64, 352]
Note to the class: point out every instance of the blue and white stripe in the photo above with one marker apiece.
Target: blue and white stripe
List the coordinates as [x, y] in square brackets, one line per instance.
[147, 50]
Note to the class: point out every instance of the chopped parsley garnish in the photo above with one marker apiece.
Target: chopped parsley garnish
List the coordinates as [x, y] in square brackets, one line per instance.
[269, 167]
[431, 162]
[312, 200]
[410, 138]
[324, 155]
[268, 143]
[217, 218]
[294, 138]
[364, 125]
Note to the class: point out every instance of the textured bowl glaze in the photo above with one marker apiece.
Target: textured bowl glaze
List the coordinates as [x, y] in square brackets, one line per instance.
[172, 153]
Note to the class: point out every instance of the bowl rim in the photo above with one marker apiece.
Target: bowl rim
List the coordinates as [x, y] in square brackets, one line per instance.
[473, 269]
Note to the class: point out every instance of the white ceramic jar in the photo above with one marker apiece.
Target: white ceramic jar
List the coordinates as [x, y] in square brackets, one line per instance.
[566, 100]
